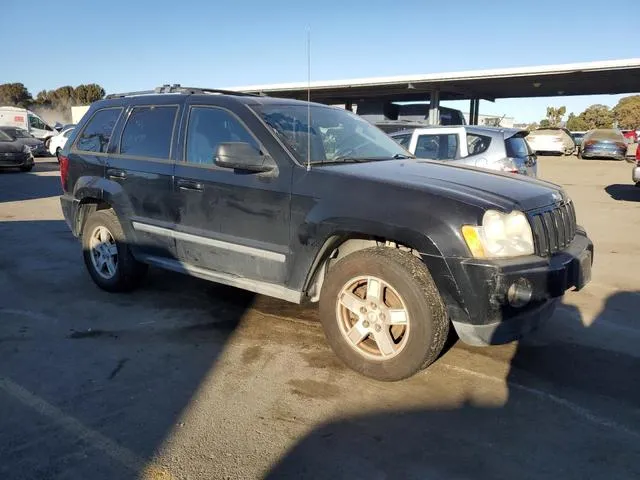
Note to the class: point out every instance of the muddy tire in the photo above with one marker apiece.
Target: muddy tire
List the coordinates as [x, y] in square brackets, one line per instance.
[382, 313]
[107, 255]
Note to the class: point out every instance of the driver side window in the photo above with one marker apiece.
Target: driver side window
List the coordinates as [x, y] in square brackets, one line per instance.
[35, 122]
[208, 128]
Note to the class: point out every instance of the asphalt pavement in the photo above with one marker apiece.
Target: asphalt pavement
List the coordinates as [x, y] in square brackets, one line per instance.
[185, 379]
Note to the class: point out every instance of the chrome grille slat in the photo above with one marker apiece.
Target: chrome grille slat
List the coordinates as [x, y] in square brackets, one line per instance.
[554, 229]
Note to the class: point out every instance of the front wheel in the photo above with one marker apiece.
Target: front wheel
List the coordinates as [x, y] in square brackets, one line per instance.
[107, 255]
[382, 314]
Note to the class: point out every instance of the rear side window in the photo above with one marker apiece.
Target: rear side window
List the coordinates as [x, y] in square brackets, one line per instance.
[403, 140]
[97, 133]
[517, 147]
[149, 131]
[208, 128]
[477, 144]
[437, 147]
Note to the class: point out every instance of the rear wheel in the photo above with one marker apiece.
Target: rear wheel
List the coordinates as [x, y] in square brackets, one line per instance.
[382, 314]
[107, 255]
[27, 168]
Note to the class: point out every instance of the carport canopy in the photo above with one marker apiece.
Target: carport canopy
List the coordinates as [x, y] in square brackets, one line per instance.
[591, 78]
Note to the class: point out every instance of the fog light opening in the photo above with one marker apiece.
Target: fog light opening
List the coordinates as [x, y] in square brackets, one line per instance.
[520, 293]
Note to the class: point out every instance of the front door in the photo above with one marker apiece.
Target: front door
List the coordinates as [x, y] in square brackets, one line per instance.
[231, 222]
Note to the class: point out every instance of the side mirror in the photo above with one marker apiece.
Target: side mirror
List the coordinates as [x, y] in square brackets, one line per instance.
[242, 156]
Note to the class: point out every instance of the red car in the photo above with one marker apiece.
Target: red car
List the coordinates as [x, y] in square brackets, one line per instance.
[630, 135]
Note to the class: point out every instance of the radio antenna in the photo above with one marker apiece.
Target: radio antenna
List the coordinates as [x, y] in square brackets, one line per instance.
[308, 99]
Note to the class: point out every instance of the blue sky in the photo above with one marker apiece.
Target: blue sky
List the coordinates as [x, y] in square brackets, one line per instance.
[131, 45]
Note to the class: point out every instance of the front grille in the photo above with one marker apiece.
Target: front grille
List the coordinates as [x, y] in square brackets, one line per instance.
[554, 229]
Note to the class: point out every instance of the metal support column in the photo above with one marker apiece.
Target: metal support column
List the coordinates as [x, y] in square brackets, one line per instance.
[348, 105]
[472, 113]
[475, 109]
[434, 107]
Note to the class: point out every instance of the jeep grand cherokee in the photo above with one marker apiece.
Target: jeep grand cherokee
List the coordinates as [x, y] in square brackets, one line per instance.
[303, 201]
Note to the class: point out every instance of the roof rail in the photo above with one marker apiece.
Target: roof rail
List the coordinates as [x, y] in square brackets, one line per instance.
[177, 88]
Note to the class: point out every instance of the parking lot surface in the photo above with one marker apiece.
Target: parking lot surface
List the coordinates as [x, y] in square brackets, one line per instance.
[186, 379]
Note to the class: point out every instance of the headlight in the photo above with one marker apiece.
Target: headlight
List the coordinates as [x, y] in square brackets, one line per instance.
[500, 235]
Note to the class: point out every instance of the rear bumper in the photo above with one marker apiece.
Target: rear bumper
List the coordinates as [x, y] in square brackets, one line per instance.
[484, 316]
[70, 211]
[591, 152]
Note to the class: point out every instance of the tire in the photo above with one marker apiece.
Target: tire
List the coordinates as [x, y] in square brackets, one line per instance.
[26, 168]
[58, 150]
[408, 280]
[128, 273]
[46, 143]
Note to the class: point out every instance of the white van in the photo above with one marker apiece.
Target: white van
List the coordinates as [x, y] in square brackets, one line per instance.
[27, 120]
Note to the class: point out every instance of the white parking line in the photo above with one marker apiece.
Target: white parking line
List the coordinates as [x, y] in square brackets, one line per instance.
[577, 409]
[98, 441]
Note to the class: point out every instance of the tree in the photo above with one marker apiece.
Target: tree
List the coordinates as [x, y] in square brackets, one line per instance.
[532, 126]
[544, 123]
[575, 123]
[554, 115]
[627, 112]
[89, 93]
[597, 116]
[14, 94]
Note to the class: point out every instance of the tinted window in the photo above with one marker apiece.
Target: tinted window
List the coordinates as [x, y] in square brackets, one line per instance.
[517, 147]
[437, 147]
[148, 132]
[209, 127]
[403, 139]
[477, 144]
[96, 135]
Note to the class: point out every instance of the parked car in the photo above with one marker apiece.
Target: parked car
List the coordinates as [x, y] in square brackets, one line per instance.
[14, 154]
[635, 174]
[57, 142]
[22, 136]
[577, 139]
[388, 116]
[604, 143]
[26, 120]
[551, 140]
[241, 190]
[494, 148]
[630, 136]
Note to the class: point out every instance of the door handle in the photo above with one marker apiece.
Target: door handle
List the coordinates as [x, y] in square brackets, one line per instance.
[190, 185]
[116, 173]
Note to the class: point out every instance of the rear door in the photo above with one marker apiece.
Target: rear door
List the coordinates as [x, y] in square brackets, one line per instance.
[141, 163]
[232, 222]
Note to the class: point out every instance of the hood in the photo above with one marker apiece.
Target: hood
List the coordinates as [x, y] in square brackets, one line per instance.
[474, 186]
[29, 141]
[11, 147]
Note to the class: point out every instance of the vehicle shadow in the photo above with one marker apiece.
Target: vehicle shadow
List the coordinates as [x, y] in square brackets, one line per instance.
[18, 186]
[543, 429]
[92, 383]
[627, 193]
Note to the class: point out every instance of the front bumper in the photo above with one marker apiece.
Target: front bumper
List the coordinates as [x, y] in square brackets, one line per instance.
[16, 160]
[483, 314]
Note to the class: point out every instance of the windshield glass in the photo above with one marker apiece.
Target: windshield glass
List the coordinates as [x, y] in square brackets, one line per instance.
[4, 137]
[335, 134]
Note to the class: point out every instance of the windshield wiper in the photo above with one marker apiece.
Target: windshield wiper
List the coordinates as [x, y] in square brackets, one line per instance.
[402, 156]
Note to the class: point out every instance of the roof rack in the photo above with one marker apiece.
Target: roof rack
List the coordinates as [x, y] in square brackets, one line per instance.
[177, 88]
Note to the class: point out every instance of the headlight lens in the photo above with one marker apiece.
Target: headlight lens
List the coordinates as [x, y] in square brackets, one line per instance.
[500, 235]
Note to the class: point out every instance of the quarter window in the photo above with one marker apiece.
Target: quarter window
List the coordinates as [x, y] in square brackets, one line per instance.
[437, 147]
[477, 144]
[149, 131]
[403, 139]
[96, 135]
[208, 128]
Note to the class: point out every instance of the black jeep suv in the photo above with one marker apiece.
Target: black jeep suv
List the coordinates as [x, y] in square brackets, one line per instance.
[303, 201]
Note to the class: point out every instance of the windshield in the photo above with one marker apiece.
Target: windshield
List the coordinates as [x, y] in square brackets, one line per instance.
[335, 135]
[4, 137]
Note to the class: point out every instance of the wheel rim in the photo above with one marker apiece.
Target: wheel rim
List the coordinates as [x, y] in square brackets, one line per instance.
[373, 317]
[103, 252]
